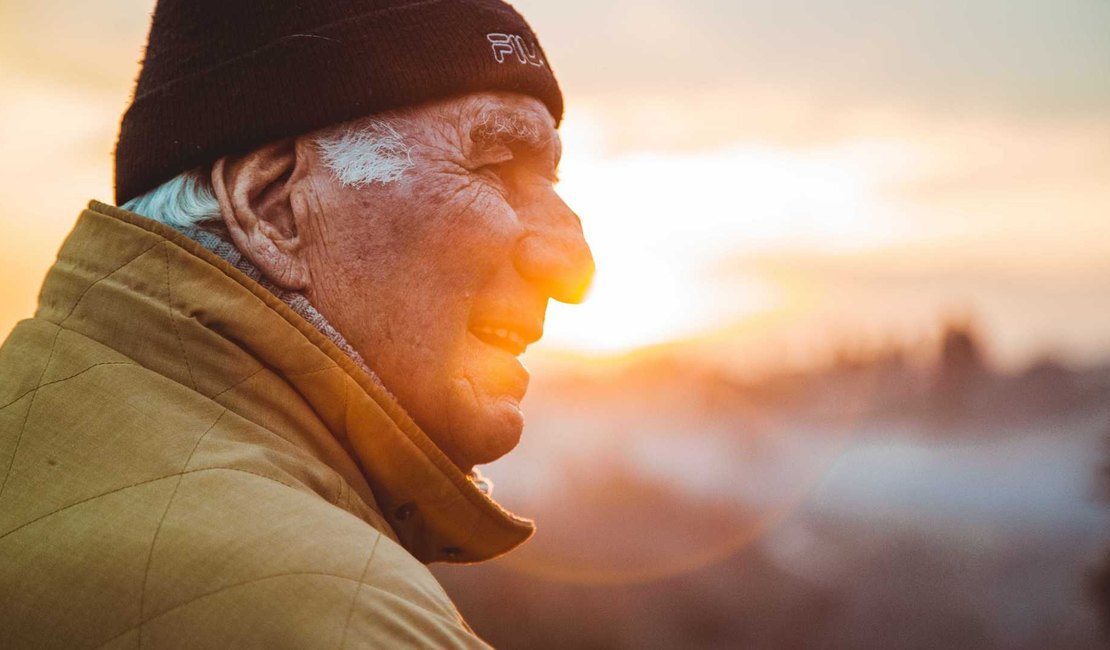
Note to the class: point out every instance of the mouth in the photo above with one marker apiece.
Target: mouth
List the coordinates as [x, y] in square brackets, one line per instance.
[511, 338]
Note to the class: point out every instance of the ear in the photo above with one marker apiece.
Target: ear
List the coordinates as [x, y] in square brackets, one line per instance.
[256, 195]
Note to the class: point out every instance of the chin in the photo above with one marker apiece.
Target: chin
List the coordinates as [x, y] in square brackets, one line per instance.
[490, 433]
[466, 400]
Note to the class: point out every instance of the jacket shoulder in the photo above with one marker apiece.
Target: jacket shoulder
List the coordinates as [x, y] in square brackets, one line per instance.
[135, 510]
[282, 569]
[218, 558]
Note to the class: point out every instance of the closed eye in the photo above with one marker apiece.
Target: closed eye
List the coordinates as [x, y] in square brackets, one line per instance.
[493, 175]
[492, 171]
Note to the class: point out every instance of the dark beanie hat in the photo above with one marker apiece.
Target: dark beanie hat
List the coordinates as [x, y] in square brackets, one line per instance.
[222, 76]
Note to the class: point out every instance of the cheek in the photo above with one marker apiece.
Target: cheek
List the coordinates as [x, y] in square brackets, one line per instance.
[469, 224]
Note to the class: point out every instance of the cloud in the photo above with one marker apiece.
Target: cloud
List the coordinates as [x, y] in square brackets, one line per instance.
[691, 73]
[947, 51]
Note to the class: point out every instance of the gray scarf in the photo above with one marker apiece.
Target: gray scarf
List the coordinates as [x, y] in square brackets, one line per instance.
[296, 300]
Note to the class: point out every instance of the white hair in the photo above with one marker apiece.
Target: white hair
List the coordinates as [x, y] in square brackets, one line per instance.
[358, 154]
[372, 152]
[184, 201]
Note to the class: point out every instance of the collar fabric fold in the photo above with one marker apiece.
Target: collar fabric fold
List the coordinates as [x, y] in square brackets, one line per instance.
[211, 327]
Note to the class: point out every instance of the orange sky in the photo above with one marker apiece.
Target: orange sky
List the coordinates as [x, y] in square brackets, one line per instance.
[786, 172]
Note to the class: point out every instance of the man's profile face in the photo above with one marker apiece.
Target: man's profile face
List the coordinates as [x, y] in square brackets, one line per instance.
[440, 279]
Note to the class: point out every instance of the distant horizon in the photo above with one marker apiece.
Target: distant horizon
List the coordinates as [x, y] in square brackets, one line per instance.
[750, 359]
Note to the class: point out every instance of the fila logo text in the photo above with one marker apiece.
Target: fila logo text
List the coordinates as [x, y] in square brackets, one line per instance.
[510, 45]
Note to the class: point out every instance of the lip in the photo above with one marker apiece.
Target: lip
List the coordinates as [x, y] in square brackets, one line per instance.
[512, 336]
[500, 372]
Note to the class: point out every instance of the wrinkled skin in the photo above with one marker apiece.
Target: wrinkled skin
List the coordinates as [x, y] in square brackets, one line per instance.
[419, 274]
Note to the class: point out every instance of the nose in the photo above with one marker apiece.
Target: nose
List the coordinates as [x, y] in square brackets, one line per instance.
[554, 255]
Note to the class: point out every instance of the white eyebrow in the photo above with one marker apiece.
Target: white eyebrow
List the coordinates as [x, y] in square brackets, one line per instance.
[509, 127]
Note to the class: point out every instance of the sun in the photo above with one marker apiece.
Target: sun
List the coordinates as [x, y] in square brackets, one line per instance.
[661, 225]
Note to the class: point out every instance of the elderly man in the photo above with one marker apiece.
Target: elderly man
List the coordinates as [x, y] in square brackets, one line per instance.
[248, 408]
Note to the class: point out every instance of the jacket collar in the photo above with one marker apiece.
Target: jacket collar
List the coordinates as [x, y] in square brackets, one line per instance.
[436, 511]
[301, 306]
[296, 300]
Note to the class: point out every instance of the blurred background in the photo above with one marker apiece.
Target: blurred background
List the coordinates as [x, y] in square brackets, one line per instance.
[844, 377]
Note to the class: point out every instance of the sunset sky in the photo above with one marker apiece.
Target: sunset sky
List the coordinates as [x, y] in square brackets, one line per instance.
[760, 175]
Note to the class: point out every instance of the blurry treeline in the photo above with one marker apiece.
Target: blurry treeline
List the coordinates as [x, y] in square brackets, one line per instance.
[886, 499]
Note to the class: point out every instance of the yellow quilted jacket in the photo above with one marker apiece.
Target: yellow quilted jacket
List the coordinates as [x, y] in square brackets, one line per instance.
[186, 462]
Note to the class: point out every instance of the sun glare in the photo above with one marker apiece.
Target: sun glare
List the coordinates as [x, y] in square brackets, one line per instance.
[661, 224]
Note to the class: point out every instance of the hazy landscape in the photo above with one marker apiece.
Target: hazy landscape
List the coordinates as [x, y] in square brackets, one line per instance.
[886, 500]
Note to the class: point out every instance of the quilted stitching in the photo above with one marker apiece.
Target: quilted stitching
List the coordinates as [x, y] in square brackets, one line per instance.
[23, 425]
[173, 318]
[50, 357]
[361, 584]
[162, 519]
